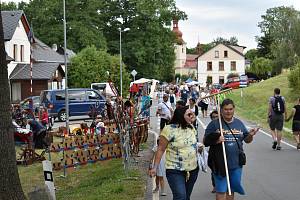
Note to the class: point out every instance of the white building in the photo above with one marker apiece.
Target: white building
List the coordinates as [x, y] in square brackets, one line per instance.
[180, 49]
[216, 64]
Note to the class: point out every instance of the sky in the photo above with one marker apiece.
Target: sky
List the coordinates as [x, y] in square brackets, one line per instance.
[209, 19]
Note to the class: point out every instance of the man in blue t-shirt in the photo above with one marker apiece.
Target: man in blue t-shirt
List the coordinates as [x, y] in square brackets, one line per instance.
[234, 133]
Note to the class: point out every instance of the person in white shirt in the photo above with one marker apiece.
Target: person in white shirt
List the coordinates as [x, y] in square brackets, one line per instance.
[164, 111]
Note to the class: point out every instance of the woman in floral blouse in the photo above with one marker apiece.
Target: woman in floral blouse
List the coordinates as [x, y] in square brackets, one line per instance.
[179, 140]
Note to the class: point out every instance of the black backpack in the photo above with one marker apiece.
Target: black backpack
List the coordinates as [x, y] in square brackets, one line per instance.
[278, 106]
[172, 99]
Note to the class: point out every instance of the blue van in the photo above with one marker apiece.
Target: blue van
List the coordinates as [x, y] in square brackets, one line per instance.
[82, 101]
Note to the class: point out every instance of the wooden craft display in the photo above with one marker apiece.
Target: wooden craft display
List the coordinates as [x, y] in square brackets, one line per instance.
[80, 150]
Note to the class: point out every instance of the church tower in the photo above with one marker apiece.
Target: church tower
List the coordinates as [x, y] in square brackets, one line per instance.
[180, 49]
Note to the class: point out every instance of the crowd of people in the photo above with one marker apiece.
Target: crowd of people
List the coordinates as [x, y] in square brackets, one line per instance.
[178, 141]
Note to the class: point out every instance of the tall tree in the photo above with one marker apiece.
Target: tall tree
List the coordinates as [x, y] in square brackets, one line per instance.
[147, 47]
[280, 27]
[251, 54]
[91, 66]
[10, 186]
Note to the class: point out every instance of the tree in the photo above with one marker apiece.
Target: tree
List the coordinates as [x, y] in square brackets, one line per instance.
[220, 40]
[233, 75]
[251, 54]
[294, 78]
[91, 66]
[261, 67]
[9, 6]
[281, 40]
[84, 25]
[10, 186]
[148, 47]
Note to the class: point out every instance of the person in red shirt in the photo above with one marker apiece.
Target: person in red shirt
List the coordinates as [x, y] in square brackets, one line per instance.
[44, 118]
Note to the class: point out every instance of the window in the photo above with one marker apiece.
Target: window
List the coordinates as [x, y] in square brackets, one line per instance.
[233, 66]
[15, 52]
[60, 95]
[221, 80]
[209, 79]
[225, 54]
[22, 53]
[209, 66]
[92, 95]
[221, 66]
[182, 50]
[216, 54]
[76, 95]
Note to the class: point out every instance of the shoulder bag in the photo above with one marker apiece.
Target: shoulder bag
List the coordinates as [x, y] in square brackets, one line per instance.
[242, 155]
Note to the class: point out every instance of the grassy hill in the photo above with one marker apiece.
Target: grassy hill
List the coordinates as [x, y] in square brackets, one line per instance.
[253, 104]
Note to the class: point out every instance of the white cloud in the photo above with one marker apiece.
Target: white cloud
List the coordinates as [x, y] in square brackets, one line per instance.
[215, 18]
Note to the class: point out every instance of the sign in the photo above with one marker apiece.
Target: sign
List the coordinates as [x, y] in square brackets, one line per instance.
[133, 73]
[48, 175]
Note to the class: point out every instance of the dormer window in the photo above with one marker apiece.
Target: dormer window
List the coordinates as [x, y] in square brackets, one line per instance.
[216, 54]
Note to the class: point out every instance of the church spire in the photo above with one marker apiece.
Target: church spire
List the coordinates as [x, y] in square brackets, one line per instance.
[177, 32]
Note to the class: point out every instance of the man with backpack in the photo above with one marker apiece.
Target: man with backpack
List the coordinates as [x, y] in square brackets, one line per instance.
[276, 115]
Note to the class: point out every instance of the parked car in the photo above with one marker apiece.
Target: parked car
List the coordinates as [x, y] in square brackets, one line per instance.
[233, 83]
[215, 88]
[81, 102]
[25, 104]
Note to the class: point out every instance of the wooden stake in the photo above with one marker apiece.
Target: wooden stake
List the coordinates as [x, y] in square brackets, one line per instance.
[223, 146]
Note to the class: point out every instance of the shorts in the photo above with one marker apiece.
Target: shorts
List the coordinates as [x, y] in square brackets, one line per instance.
[163, 123]
[296, 126]
[235, 176]
[276, 122]
[204, 106]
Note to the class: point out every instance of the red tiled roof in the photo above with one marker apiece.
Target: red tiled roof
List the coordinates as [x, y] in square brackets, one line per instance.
[191, 61]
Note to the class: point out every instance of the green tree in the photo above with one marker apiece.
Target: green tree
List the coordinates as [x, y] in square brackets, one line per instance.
[251, 54]
[10, 186]
[232, 41]
[280, 28]
[9, 6]
[261, 67]
[148, 47]
[83, 24]
[91, 66]
[294, 78]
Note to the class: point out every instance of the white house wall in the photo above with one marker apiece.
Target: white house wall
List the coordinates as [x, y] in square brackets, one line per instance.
[19, 38]
[215, 73]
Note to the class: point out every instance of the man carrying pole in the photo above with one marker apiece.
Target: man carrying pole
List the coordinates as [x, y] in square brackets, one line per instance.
[226, 156]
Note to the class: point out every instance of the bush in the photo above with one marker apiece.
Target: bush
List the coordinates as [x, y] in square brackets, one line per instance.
[294, 78]
[233, 75]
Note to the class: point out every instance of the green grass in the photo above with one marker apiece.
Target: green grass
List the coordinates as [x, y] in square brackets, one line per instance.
[254, 104]
[102, 180]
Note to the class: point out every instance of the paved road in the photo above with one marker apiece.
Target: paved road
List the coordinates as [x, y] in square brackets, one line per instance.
[268, 175]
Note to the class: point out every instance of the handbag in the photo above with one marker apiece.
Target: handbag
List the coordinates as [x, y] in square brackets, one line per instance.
[242, 155]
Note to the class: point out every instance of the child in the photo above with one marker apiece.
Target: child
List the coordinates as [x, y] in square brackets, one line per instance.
[160, 172]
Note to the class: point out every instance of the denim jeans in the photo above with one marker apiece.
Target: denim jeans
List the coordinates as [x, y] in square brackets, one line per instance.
[181, 189]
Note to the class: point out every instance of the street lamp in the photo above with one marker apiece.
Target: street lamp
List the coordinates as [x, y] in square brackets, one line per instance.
[121, 71]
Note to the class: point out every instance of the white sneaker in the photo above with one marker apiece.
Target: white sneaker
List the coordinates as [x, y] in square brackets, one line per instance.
[163, 194]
